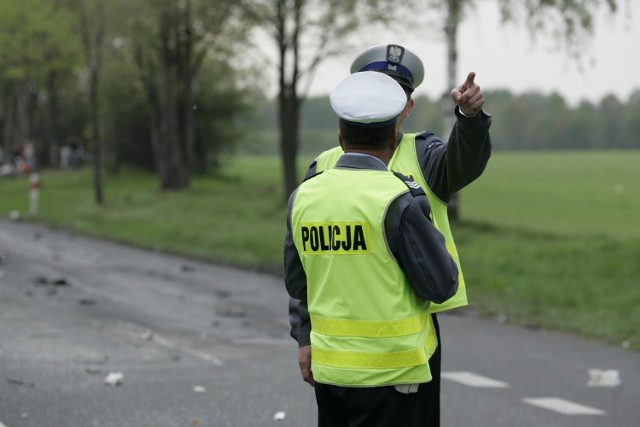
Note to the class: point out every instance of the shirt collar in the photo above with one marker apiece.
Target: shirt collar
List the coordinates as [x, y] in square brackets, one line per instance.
[360, 161]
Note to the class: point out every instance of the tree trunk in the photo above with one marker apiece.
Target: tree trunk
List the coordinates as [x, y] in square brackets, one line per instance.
[168, 84]
[96, 143]
[92, 38]
[175, 168]
[171, 162]
[51, 149]
[188, 127]
[289, 101]
[186, 74]
[289, 135]
[451, 31]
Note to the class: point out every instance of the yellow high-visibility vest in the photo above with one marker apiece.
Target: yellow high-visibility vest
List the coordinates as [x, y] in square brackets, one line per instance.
[369, 327]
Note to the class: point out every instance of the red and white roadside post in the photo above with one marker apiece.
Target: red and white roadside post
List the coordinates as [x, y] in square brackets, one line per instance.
[34, 193]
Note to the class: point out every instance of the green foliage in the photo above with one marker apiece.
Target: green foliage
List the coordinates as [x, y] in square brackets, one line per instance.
[38, 51]
[549, 239]
[177, 46]
[126, 114]
[222, 108]
[35, 40]
[72, 127]
[45, 80]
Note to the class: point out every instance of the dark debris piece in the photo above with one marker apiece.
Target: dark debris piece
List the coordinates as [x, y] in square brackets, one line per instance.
[60, 282]
[20, 382]
[41, 280]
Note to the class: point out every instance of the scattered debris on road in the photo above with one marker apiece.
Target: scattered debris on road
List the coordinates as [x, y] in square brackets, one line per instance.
[187, 268]
[604, 378]
[58, 282]
[20, 382]
[114, 379]
[222, 293]
[147, 336]
[231, 312]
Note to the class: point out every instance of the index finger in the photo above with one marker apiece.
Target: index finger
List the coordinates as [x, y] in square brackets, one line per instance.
[470, 78]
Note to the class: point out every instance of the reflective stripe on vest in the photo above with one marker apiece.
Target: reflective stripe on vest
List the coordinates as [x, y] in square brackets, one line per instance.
[353, 359]
[357, 328]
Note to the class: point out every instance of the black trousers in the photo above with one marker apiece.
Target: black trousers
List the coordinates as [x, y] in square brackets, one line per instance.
[365, 407]
[382, 406]
[429, 393]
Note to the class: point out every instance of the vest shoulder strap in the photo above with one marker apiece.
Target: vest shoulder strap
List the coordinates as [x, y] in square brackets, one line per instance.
[414, 188]
[312, 176]
[428, 137]
[425, 134]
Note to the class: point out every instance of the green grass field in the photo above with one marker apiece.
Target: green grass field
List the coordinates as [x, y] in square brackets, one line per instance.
[547, 239]
[577, 193]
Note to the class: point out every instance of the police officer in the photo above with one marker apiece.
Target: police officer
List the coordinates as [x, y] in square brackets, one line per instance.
[363, 257]
[440, 168]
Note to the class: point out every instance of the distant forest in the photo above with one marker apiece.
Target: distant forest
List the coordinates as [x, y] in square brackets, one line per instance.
[529, 121]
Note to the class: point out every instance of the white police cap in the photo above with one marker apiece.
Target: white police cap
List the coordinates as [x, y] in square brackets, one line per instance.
[394, 60]
[368, 99]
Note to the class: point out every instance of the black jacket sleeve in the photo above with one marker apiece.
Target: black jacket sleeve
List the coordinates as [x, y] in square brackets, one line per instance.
[420, 248]
[295, 278]
[300, 322]
[296, 284]
[449, 167]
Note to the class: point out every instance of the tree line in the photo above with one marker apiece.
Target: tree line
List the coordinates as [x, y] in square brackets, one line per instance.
[150, 83]
[534, 121]
[529, 121]
[170, 85]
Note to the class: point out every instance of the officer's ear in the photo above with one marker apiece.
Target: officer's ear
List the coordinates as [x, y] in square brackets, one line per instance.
[408, 108]
[393, 139]
[340, 140]
[406, 112]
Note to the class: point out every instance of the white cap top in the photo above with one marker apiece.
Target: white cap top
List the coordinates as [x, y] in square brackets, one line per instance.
[368, 99]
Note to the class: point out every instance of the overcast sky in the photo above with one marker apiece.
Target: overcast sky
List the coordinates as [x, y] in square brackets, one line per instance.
[505, 57]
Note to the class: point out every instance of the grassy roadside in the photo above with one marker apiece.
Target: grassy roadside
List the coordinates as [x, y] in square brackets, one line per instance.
[530, 256]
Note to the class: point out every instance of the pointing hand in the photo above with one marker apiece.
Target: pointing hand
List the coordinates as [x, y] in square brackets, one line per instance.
[468, 96]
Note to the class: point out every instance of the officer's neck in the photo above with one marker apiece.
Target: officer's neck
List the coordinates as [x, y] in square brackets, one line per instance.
[384, 155]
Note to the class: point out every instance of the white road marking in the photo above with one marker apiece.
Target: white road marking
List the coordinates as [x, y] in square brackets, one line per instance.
[563, 406]
[202, 355]
[473, 380]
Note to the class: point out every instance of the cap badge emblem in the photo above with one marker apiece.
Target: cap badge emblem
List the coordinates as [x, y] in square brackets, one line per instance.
[395, 54]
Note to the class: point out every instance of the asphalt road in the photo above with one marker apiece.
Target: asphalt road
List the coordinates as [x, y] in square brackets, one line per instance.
[186, 343]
